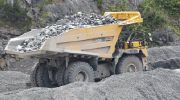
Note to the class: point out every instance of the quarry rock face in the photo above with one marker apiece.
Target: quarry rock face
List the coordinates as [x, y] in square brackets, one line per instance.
[166, 36]
[76, 21]
[70, 7]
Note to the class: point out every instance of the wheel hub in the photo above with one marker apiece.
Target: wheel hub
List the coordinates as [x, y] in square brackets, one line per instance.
[131, 68]
[82, 76]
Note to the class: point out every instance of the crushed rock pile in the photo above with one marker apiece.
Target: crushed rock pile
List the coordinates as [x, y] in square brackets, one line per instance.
[160, 84]
[164, 57]
[22, 65]
[12, 80]
[75, 21]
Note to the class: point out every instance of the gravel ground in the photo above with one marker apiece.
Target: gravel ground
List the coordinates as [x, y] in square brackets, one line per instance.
[12, 80]
[164, 57]
[159, 84]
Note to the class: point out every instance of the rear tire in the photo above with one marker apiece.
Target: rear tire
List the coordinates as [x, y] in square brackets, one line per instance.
[43, 77]
[60, 75]
[33, 75]
[130, 63]
[79, 71]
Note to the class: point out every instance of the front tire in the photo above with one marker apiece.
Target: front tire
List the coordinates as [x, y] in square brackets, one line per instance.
[129, 63]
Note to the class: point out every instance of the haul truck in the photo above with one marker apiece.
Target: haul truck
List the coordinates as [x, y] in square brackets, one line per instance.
[85, 54]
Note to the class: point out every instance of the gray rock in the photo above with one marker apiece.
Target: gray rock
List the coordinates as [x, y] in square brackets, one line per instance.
[9, 32]
[11, 80]
[16, 64]
[164, 57]
[2, 51]
[28, 1]
[11, 2]
[35, 10]
[69, 7]
[168, 35]
[79, 20]
[160, 43]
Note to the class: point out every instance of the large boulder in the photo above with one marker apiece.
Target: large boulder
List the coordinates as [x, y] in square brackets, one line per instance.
[165, 36]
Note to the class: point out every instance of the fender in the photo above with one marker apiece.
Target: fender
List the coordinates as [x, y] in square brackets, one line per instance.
[141, 52]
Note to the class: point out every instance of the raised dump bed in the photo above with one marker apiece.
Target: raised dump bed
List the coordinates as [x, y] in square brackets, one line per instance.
[93, 41]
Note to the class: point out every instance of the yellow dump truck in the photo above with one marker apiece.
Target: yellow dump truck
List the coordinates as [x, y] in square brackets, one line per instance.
[85, 54]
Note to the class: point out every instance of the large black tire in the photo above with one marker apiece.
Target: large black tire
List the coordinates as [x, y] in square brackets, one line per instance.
[129, 63]
[60, 75]
[43, 77]
[79, 71]
[33, 75]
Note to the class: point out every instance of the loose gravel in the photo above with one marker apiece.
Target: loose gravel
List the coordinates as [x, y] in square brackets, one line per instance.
[12, 80]
[159, 84]
[164, 57]
[76, 21]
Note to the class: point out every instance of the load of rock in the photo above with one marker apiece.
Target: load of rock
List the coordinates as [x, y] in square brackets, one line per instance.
[158, 84]
[79, 20]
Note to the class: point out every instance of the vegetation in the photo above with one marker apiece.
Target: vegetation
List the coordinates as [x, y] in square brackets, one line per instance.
[160, 14]
[44, 16]
[45, 3]
[99, 4]
[2, 3]
[99, 1]
[15, 15]
[172, 6]
[156, 14]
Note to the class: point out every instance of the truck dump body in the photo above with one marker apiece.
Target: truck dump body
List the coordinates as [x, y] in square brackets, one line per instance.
[96, 41]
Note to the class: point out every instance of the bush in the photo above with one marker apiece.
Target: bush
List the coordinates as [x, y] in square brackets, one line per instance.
[172, 6]
[121, 7]
[44, 16]
[99, 2]
[2, 3]
[153, 17]
[16, 15]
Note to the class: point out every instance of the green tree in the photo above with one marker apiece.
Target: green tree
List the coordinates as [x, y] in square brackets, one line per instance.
[14, 13]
